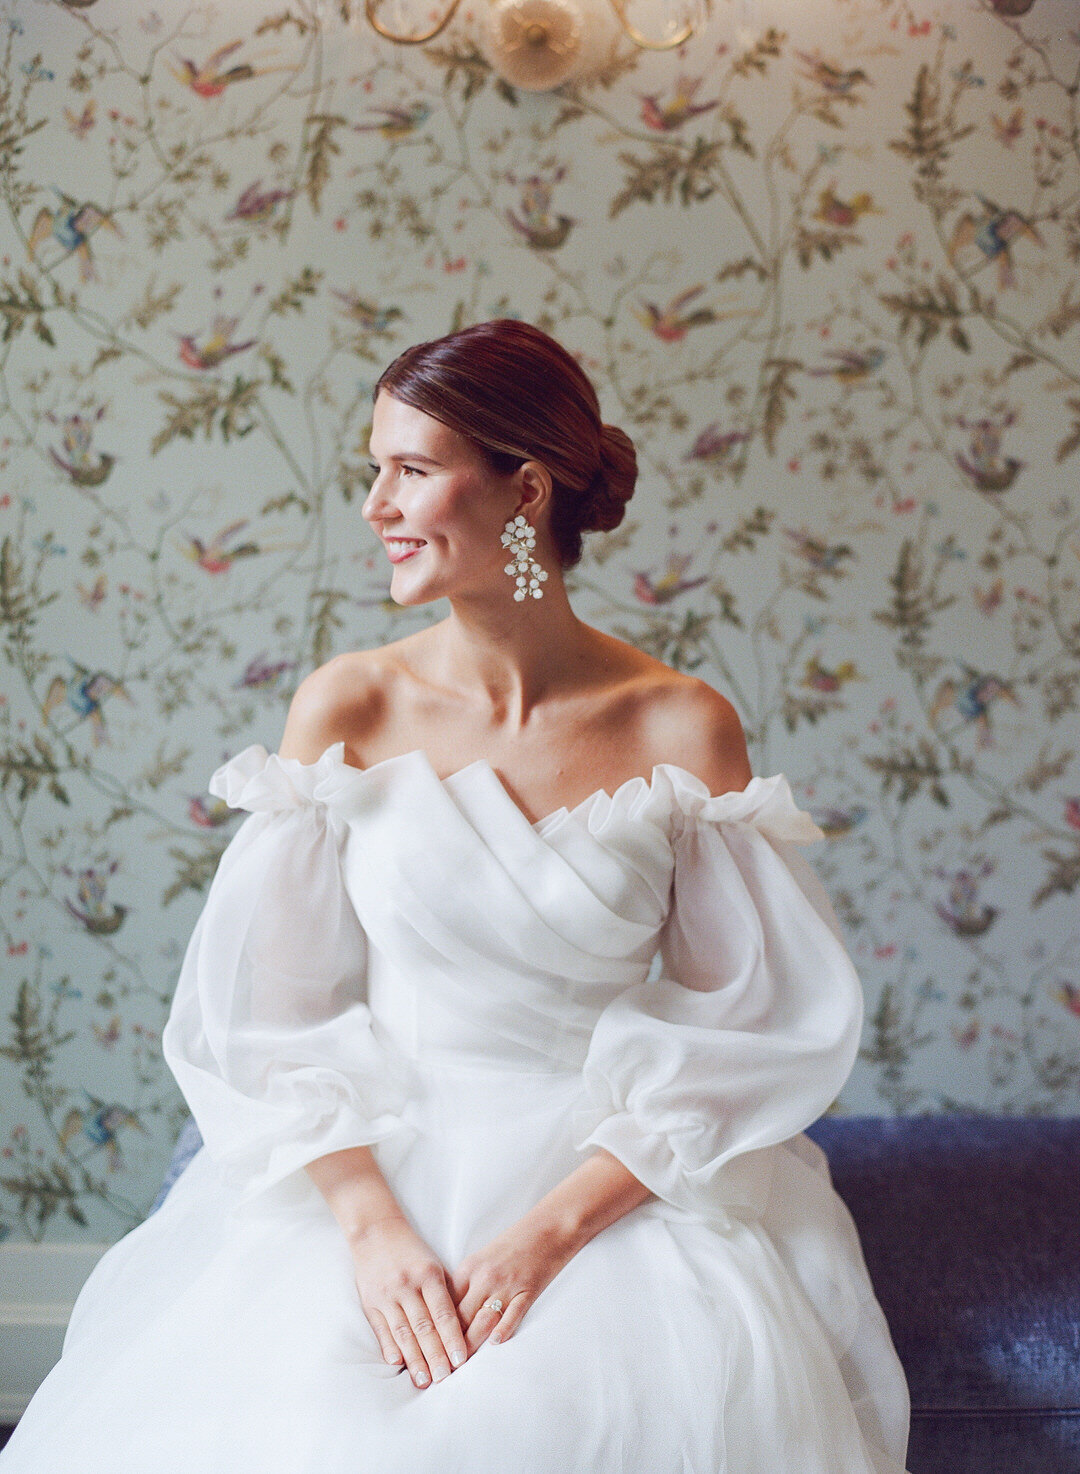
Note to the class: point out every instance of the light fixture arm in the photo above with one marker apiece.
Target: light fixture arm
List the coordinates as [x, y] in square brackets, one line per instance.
[639, 38]
[419, 38]
[371, 9]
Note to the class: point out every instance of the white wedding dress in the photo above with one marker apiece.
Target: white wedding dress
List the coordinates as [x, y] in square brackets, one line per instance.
[390, 958]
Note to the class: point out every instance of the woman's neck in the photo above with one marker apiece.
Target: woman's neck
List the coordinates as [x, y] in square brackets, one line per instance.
[514, 655]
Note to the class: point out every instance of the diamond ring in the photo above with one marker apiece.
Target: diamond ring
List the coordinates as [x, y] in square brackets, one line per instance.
[493, 1304]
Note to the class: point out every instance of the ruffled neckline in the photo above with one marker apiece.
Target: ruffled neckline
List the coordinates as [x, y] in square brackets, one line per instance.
[260, 781]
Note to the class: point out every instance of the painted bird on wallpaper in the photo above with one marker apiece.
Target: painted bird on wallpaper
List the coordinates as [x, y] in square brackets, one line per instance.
[963, 913]
[669, 584]
[835, 821]
[833, 79]
[818, 677]
[965, 1035]
[396, 122]
[714, 444]
[993, 233]
[209, 813]
[93, 597]
[78, 462]
[1009, 129]
[100, 1124]
[99, 916]
[108, 1035]
[71, 225]
[822, 557]
[672, 323]
[543, 230]
[971, 699]
[988, 600]
[257, 205]
[984, 465]
[1072, 812]
[260, 674]
[851, 366]
[216, 348]
[1068, 994]
[844, 214]
[216, 556]
[210, 78]
[678, 108]
[85, 692]
[81, 123]
[368, 315]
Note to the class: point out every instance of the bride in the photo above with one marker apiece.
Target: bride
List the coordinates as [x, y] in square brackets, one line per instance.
[484, 1190]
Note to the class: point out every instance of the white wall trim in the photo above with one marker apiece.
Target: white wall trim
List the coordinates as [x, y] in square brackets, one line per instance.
[38, 1286]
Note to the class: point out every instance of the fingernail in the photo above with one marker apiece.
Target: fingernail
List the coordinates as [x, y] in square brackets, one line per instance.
[422, 1380]
[495, 1336]
[440, 1375]
[457, 1357]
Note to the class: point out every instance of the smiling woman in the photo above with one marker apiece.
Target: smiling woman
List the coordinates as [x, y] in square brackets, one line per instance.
[552, 415]
[509, 1004]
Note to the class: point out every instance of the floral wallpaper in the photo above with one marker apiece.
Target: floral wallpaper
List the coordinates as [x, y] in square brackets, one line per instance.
[822, 264]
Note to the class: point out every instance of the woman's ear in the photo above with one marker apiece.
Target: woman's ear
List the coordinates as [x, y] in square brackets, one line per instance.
[535, 488]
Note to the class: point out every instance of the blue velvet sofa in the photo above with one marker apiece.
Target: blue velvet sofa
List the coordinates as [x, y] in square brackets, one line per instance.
[971, 1231]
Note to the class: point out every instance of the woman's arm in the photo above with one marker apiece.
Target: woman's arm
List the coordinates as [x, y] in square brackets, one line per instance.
[355, 1190]
[591, 1198]
[402, 1286]
[519, 1263]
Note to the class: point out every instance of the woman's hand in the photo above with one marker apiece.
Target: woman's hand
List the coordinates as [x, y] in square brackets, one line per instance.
[404, 1292]
[512, 1269]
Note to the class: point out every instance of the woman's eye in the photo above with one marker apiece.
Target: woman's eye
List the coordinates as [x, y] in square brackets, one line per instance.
[374, 468]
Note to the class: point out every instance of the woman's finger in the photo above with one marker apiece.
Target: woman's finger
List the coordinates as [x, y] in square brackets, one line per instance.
[447, 1321]
[402, 1332]
[427, 1334]
[511, 1317]
[387, 1345]
[483, 1322]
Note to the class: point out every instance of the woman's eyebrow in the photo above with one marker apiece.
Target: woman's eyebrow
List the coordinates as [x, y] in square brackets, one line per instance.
[405, 455]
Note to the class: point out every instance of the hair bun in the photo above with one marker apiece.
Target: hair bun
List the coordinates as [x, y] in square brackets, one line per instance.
[613, 484]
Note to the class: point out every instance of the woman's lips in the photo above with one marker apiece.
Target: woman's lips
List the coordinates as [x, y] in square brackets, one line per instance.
[400, 549]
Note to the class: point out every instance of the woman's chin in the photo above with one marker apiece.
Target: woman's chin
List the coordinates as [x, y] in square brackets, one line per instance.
[409, 592]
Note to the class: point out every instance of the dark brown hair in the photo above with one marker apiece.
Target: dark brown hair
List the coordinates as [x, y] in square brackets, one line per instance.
[517, 395]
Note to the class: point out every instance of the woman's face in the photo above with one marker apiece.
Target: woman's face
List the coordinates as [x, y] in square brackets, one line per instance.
[436, 505]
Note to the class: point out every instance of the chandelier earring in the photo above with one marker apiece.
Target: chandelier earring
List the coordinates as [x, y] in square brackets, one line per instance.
[519, 539]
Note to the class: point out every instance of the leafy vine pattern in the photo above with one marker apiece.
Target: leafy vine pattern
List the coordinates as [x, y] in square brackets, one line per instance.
[828, 285]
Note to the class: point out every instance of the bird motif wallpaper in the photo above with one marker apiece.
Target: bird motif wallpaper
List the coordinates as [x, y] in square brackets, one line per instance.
[823, 264]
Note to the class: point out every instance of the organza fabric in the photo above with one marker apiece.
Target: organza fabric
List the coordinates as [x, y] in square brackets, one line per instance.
[394, 959]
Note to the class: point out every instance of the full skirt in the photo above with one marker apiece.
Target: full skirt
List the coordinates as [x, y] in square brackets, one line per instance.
[226, 1337]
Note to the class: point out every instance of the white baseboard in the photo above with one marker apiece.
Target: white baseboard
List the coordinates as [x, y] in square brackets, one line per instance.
[38, 1286]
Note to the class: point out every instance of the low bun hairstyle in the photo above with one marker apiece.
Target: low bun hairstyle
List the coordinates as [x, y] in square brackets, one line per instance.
[517, 395]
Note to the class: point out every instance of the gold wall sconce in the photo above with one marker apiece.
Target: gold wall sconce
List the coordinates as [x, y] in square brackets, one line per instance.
[537, 44]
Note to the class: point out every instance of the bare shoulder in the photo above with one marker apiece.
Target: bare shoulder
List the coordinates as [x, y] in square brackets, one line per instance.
[690, 724]
[339, 702]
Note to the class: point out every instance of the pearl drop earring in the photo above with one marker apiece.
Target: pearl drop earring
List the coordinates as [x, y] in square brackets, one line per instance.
[519, 539]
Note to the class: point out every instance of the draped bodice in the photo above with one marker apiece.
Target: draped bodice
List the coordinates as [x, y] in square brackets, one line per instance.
[366, 924]
[490, 937]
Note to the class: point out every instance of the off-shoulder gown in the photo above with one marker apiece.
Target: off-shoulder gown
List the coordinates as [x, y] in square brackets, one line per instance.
[391, 958]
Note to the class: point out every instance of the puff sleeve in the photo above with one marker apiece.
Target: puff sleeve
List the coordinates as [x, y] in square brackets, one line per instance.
[753, 1025]
[269, 1035]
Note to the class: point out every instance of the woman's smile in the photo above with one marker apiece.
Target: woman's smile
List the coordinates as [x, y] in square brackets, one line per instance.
[399, 549]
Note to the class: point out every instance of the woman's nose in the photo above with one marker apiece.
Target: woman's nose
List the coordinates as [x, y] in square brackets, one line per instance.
[376, 505]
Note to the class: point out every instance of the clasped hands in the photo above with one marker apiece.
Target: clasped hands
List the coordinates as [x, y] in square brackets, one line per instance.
[430, 1321]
